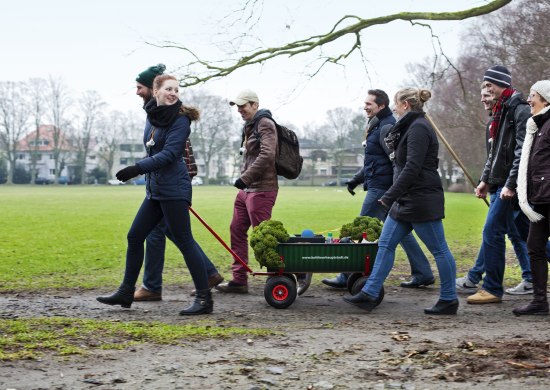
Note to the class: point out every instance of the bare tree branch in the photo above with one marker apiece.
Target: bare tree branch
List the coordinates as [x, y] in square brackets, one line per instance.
[217, 69]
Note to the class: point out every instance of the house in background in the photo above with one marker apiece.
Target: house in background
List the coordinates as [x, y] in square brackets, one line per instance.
[41, 147]
[320, 163]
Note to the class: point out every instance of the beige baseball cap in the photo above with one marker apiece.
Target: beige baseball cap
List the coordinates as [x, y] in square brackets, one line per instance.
[245, 96]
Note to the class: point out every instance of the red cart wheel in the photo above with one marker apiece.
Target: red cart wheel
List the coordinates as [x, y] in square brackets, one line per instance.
[280, 291]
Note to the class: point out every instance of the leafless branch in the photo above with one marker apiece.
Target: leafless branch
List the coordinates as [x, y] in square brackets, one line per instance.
[217, 69]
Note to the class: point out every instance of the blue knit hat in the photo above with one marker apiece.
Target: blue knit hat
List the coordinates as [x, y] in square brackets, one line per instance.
[147, 76]
[498, 75]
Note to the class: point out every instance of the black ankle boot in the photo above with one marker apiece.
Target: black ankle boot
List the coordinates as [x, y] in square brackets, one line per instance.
[124, 297]
[443, 307]
[533, 308]
[539, 304]
[203, 304]
[362, 300]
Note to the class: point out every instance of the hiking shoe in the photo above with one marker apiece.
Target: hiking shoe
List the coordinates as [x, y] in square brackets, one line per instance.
[482, 297]
[144, 295]
[213, 281]
[232, 288]
[465, 285]
[521, 289]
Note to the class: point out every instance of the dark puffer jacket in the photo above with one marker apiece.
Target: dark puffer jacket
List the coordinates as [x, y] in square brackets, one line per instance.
[502, 165]
[416, 194]
[378, 168]
[377, 171]
[167, 177]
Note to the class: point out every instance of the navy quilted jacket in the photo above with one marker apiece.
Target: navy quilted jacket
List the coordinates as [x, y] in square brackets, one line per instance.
[166, 173]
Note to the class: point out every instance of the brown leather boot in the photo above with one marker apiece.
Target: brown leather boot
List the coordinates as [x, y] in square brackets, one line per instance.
[213, 281]
[144, 295]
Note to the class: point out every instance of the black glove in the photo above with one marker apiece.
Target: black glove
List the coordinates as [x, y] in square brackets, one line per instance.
[351, 186]
[127, 173]
[241, 185]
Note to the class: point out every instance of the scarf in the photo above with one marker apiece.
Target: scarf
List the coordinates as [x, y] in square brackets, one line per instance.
[375, 120]
[162, 116]
[531, 130]
[399, 129]
[497, 111]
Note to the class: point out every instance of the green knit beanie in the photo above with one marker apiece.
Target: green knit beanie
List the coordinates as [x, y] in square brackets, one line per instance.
[147, 76]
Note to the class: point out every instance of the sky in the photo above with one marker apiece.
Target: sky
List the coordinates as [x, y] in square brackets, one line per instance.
[103, 44]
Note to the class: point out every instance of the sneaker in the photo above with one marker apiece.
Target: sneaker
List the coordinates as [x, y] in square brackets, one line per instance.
[465, 285]
[144, 295]
[482, 297]
[232, 288]
[521, 289]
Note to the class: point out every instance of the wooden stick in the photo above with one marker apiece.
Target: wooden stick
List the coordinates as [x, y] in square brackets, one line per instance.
[455, 156]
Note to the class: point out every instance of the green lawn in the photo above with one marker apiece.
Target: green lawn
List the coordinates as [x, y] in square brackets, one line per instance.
[73, 236]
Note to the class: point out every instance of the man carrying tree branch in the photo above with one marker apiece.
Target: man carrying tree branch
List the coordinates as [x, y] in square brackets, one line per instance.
[506, 133]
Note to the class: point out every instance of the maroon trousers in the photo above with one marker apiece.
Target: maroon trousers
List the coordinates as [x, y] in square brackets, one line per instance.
[250, 209]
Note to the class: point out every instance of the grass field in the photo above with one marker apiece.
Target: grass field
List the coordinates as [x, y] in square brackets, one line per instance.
[75, 237]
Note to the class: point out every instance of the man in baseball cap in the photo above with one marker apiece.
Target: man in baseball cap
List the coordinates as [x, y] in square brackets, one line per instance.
[257, 183]
[245, 96]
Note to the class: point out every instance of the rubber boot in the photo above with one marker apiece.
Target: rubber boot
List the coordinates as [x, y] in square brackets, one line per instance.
[203, 304]
[124, 297]
[539, 304]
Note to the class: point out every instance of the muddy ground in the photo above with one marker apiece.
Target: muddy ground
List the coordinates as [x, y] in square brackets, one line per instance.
[324, 344]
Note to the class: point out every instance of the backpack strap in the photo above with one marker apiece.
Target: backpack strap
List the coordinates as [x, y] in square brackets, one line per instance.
[255, 129]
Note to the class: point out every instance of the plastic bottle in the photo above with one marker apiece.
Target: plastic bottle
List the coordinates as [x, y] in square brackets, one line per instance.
[364, 240]
[329, 238]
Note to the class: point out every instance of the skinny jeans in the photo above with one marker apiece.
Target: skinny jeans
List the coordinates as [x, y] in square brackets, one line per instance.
[176, 217]
[432, 235]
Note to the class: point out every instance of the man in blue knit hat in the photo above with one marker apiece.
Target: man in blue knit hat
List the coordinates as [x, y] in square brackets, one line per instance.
[506, 135]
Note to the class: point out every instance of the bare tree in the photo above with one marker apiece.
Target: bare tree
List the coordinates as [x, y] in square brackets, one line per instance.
[58, 103]
[114, 129]
[341, 123]
[514, 37]
[211, 135]
[349, 25]
[37, 88]
[14, 115]
[315, 138]
[91, 110]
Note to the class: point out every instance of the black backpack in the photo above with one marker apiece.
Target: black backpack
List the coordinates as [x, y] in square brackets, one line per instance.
[288, 162]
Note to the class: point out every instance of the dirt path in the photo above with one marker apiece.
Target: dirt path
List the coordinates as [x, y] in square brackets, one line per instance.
[325, 344]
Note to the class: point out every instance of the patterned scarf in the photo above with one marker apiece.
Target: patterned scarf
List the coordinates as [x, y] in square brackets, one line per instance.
[497, 111]
[399, 129]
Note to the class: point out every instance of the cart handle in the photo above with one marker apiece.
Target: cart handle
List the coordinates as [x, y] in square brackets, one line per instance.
[235, 256]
